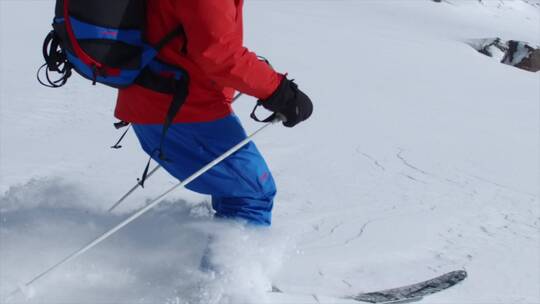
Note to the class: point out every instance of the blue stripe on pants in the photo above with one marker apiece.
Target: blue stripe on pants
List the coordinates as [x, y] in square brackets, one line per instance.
[241, 186]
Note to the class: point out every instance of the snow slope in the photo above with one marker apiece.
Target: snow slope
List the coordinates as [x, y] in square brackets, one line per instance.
[422, 157]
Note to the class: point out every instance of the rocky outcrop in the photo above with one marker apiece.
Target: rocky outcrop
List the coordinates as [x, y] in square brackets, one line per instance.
[515, 53]
[522, 56]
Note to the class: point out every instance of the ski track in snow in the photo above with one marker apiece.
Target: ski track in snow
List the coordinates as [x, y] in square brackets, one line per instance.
[421, 157]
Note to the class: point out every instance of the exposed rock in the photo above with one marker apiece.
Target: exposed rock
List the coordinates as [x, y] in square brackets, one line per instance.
[512, 52]
[523, 56]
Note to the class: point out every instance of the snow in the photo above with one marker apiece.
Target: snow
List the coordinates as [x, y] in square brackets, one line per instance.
[422, 157]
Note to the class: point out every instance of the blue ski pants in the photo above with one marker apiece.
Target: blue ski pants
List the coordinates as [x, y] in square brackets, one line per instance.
[241, 186]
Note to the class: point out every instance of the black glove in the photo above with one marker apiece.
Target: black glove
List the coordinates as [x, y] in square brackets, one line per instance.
[289, 101]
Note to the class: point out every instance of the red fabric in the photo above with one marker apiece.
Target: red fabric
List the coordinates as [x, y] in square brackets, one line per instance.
[216, 60]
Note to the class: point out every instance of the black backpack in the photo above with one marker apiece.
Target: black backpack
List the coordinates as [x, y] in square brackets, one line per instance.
[103, 41]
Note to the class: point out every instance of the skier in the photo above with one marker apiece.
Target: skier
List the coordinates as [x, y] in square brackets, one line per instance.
[211, 51]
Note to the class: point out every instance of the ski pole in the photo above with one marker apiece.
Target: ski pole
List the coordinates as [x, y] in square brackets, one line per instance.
[132, 189]
[143, 210]
[149, 174]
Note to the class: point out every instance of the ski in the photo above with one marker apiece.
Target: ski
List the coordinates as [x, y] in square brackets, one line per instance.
[413, 292]
[404, 294]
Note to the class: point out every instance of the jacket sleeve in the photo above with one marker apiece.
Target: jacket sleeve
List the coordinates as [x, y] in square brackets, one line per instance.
[215, 44]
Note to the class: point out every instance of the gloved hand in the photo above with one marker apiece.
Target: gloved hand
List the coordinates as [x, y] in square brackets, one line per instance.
[289, 101]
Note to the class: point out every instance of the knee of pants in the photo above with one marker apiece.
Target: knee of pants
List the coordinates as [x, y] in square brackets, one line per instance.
[255, 209]
[257, 212]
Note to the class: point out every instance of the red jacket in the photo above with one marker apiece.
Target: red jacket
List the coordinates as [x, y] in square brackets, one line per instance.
[216, 60]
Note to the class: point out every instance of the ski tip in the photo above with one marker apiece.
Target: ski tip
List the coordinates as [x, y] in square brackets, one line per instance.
[413, 292]
[459, 275]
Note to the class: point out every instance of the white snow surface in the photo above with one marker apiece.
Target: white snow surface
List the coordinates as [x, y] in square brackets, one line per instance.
[422, 157]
